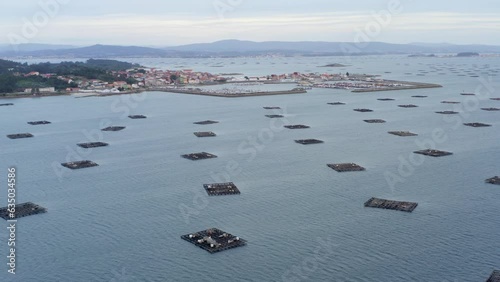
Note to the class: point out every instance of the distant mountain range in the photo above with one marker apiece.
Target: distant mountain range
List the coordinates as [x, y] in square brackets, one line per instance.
[233, 48]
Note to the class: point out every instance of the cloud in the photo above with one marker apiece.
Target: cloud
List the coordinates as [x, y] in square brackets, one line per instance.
[182, 28]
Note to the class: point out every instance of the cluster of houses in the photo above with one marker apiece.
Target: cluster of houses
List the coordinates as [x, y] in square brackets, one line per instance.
[158, 78]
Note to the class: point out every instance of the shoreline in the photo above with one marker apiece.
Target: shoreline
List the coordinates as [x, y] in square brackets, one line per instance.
[408, 86]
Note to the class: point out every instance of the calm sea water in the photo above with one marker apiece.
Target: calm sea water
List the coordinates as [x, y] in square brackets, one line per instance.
[122, 221]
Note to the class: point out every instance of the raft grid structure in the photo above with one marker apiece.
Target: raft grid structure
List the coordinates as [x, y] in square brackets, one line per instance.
[205, 134]
[408, 106]
[22, 210]
[385, 99]
[6, 104]
[221, 189]
[92, 145]
[199, 156]
[346, 167]
[114, 128]
[433, 153]
[297, 126]
[363, 110]
[390, 205]
[447, 112]
[272, 108]
[336, 103]
[490, 109]
[206, 122]
[214, 240]
[309, 141]
[137, 117]
[41, 122]
[403, 133]
[374, 121]
[275, 116]
[20, 135]
[79, 164]
[477, 124]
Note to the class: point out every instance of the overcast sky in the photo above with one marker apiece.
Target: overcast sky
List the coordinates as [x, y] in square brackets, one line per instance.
[167, 22]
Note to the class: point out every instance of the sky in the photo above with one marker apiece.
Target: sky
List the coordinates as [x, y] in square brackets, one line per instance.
[169, 23]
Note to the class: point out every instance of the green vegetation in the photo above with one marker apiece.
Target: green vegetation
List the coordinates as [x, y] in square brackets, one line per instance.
[13, 78]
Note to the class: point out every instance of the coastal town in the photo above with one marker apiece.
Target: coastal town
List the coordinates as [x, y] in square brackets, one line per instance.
[187, 81]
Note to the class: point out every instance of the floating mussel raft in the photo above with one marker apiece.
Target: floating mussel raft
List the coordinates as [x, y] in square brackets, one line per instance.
[495, 276]
[20, 135]
[309, 141]
[447, 112]
[336, 103]
[206, 122]
[199, 156]
[42, 122]
[467, 94]
[433, 153]
[297, 126]
[403, 133]
[7, 104]
[221, 189]
[408, 106]
[363, 110]
[385, 99]
[214, 240]
[495, 99]
[390, 205]
[205, 134]
[494, 180]
[92, 145]
[490, 109]
[114, 128]
[419, 96]
[477, 124]
[79, 164]
[450, 102]
[374, 121]
[345, 167]
[137, 117]
[274, 116]
[21, 210]
[272, 108]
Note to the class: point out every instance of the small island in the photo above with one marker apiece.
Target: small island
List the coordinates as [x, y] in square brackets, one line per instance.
[334, 65]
